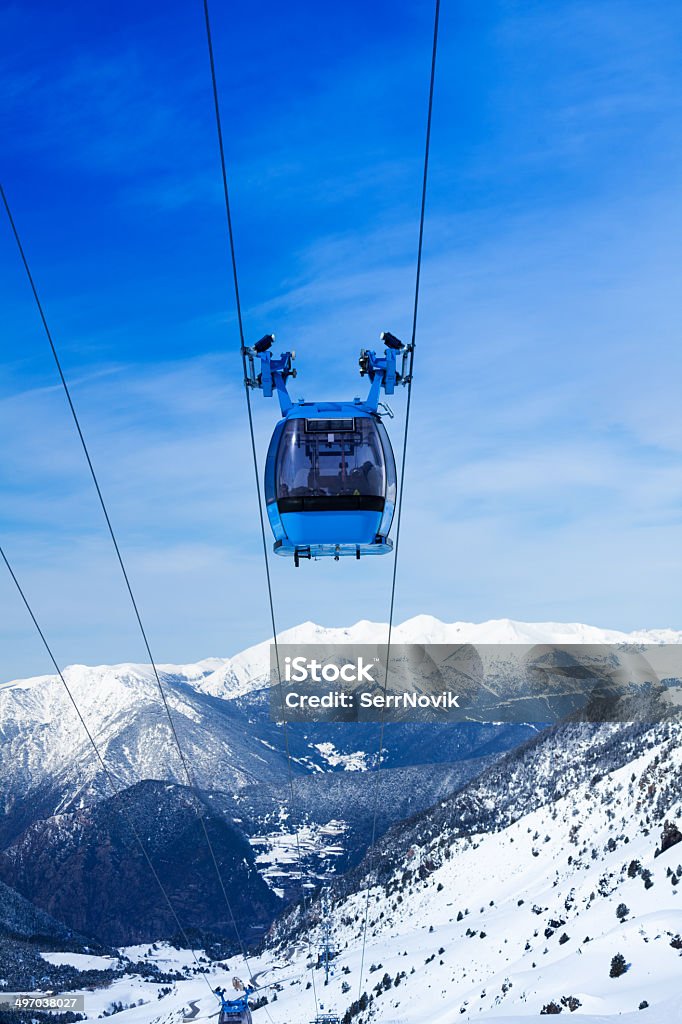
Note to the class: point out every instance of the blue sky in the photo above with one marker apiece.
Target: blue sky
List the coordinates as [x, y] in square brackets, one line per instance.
[544, 474]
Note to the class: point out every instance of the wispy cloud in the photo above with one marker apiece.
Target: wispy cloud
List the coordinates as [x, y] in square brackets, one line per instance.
[543, 472]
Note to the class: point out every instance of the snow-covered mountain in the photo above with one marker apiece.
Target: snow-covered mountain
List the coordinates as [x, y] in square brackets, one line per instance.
[551, 884]
[478, 796]
[232, 677]
[48, 764]
[42, 742]
[46, 758]
[219, 707]
[220, 710]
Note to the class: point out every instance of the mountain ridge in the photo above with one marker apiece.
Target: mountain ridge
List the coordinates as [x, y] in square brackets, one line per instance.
[235, 676]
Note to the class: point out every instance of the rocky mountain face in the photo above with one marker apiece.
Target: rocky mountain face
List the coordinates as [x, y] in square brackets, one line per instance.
[25, 931]
[22, 920]
[86, 868]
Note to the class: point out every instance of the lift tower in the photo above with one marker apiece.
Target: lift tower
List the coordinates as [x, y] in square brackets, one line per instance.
[326, 954]
[327, 948]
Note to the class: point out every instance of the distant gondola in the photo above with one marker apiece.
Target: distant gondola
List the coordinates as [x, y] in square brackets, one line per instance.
[237, 1010]
[330, 477]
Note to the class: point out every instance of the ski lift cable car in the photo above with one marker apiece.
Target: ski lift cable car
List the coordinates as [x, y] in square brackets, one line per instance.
[330, 474]
[237, 1009]
[322, 529]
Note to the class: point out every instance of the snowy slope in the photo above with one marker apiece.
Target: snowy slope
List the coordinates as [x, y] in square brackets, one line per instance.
[538, 906]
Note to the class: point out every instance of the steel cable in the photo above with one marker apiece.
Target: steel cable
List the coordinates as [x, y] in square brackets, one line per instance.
[243, 348]
[413, 342]
[176, 739]
[118, 792]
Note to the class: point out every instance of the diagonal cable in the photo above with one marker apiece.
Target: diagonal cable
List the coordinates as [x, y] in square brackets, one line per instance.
[415, 311]
[176, 739]
[240, 323]
[117, 791]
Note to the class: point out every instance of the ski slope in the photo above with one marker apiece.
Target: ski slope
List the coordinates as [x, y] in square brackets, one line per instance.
[562, 870]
